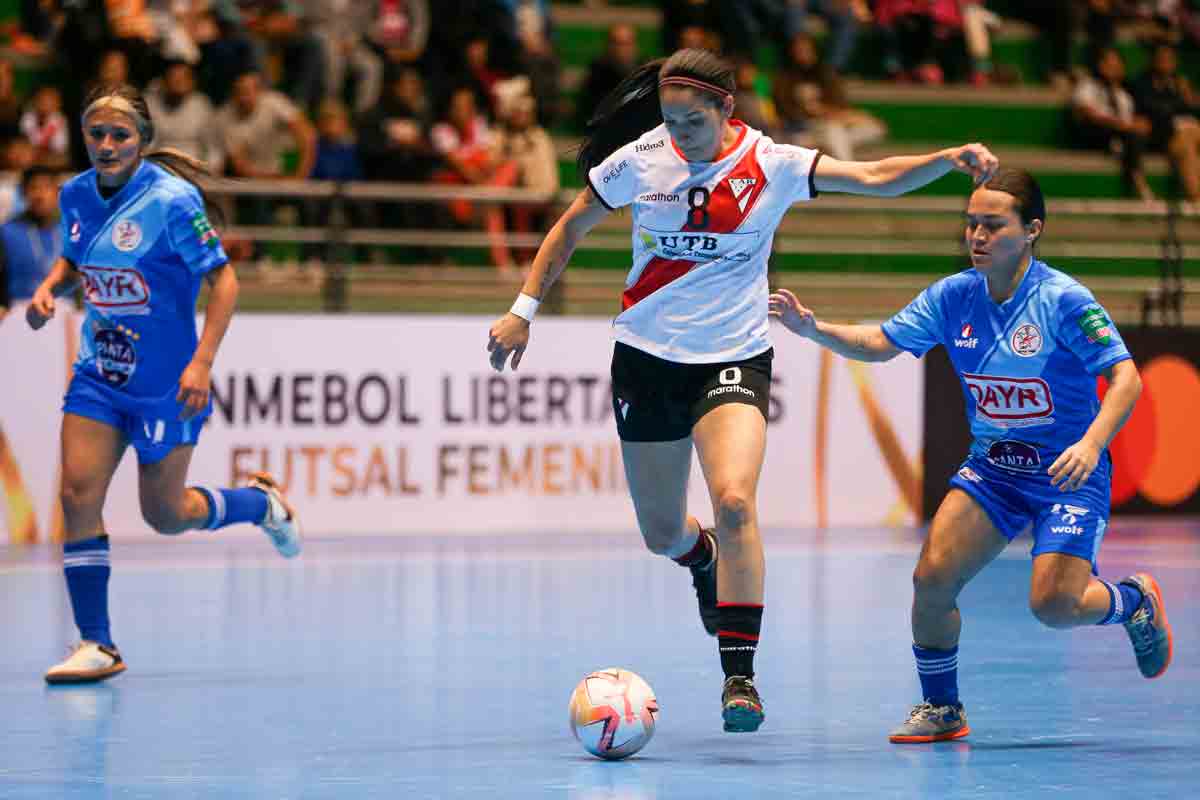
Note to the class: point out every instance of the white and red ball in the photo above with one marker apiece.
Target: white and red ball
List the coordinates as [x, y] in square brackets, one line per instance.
[612, 713]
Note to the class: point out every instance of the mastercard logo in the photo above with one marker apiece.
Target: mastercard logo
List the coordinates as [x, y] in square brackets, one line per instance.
[1155, 454]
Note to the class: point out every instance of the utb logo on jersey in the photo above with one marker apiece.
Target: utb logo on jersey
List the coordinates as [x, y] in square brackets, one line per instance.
[118, 289]
[698, 246]
[1095, 326]
[743, 190]
[1004, 400]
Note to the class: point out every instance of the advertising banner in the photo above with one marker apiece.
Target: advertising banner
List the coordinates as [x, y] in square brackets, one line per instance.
[397, 424]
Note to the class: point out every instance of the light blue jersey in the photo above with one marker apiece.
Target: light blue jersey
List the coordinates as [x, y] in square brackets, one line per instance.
[1028, 369]
[1028, 366]
[142, 254]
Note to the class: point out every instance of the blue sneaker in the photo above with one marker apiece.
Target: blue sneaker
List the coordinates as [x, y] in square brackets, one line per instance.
[930, 723]
[1148, 629]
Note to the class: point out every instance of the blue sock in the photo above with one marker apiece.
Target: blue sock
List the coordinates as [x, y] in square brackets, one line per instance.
[86, 567]
[938, 671]
[1123, 600]
[232, 506]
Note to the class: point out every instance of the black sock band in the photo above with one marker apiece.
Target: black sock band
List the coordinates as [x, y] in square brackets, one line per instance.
[738, 626]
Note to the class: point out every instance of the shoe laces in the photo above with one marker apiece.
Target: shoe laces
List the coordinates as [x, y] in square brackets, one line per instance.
[1141, 630]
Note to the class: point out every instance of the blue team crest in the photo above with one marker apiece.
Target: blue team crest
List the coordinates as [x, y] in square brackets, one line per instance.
[1027, 340]
[126, 235]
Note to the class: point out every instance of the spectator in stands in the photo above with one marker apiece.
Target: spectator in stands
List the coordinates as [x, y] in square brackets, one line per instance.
[468, 145]
[226, 50]
[1053, 19]
[538, 61]
[16, 158]
[400, 30]
[682, 15]
[45, 126]
[279, 24]
[619, 59]
[183, 117]
[1104, 117]
[921, 37]
[481, 74]
[342, 27]
[844, 18]
[32, 242]
[113, 69]
[753, 107]
[39, 24]
[524, 143]
[10, 103]
[814, 111]
[1166, 98]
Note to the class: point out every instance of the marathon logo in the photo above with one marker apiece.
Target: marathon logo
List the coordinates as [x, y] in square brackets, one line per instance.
[1007, 401]
[658, 197]
[115, 289]
[688, 246]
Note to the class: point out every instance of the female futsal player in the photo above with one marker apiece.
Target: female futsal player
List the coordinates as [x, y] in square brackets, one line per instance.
[692, 361]
[1027, 342]
[135, 231]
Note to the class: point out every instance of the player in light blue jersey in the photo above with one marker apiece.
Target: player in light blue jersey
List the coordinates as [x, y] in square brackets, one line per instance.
[136, 233]
[1027, 342]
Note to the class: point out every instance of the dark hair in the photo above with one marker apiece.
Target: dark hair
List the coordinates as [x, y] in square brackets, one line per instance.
[632, 108]
[36, 171]
[1029, 202]
[177, 162]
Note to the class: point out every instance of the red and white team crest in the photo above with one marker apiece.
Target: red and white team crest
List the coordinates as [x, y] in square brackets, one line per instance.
[743, 190]
[1027, 340]
[126, 235]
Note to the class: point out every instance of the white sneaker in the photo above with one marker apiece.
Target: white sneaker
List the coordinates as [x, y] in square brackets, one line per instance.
[280, 523]
[89, 662]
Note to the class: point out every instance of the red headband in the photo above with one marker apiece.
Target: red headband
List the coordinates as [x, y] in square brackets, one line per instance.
[680, 80]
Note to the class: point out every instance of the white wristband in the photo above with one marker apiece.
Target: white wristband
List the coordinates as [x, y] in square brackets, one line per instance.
[525, 307]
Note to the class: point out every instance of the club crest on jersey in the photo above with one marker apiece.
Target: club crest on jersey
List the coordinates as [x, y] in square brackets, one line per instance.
[690, 246]
[966, 340]
[1027, 340]
[120, 290]
[1010, 402]
[743, 190]
[126, 235]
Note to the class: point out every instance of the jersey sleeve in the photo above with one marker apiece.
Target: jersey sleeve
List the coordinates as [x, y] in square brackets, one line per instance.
[615, 179]
[918, 327]
[192, 235]
[1087, 330]
[791, 166]
[70, 244]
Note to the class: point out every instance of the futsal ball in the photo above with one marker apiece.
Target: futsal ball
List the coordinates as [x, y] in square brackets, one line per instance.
[612, 713]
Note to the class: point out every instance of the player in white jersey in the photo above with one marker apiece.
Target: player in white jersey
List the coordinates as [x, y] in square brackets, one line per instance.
[692, 360]
[136, 234]
[1027, 342]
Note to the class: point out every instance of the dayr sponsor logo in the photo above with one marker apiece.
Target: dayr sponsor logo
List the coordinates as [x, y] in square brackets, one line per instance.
[1005, 400]
[119, 289]
[642, 148]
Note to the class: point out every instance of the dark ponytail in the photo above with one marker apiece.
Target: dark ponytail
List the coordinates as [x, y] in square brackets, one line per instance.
[127, 99]
[632, 108]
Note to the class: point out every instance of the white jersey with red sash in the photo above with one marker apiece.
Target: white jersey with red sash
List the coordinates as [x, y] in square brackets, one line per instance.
[702, 233]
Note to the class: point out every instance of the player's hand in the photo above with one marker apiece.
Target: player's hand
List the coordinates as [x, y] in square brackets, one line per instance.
[40, 309]
[975, 160]
[1074, 465]
[509, 334]
[194, 385]
[785, 307]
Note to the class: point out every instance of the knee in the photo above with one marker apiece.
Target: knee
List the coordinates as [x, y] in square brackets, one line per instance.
[735, 511]
[78, 497]
[661, 535]
[1054, 608]
[935, 576]
[163, 519]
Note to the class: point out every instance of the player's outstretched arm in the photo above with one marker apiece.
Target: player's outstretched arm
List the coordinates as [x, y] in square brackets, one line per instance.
[889, 177]
[1075, 465]
[61, 280]
[510, 334]
[859, 342]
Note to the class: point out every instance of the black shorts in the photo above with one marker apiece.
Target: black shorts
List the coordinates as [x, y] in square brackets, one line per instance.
[655, 400]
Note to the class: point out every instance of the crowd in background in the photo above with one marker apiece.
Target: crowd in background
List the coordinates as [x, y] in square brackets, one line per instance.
[466, 91]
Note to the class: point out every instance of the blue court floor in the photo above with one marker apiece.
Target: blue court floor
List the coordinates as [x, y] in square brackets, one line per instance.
[424, 668]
